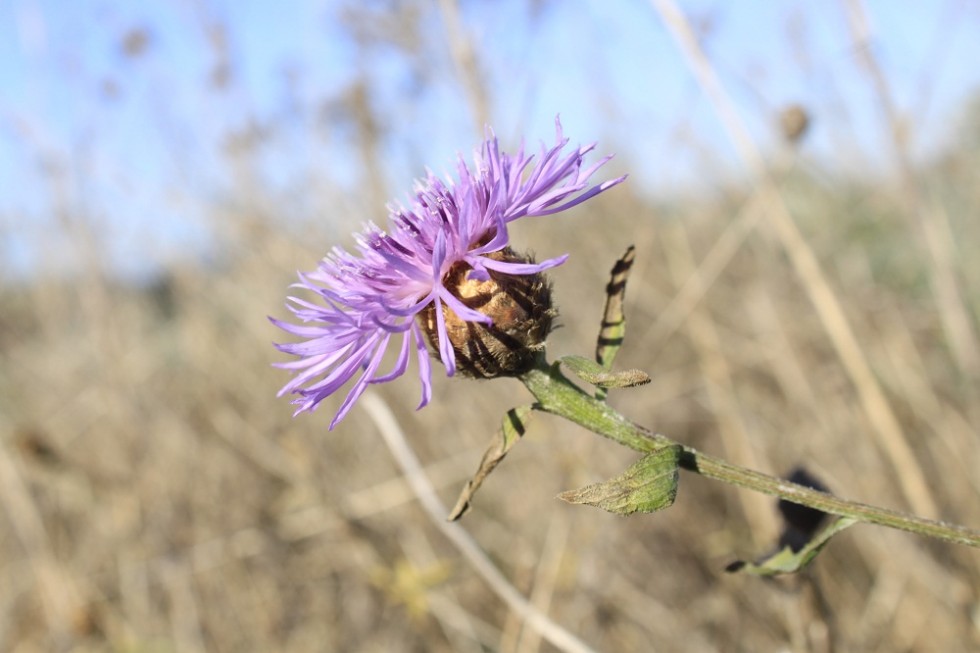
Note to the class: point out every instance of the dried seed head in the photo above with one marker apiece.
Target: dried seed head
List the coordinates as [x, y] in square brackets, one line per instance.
[520, 306]
[794, 121]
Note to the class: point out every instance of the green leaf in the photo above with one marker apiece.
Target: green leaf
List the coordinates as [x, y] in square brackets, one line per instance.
[613, 328]
[649, 485]
[787, 560]
[512, 428]
[593, 373]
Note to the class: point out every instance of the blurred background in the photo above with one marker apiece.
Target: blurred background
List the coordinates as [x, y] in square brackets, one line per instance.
[806, 292]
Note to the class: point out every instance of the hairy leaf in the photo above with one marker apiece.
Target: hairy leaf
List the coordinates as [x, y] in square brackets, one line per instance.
[593, 373]
[649, 485]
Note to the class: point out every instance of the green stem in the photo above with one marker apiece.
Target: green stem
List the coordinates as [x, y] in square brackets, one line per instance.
[559, 396]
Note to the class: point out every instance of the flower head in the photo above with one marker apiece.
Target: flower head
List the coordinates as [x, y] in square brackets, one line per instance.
[406, 284]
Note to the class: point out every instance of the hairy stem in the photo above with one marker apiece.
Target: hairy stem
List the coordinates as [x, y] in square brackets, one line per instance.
[557, 395]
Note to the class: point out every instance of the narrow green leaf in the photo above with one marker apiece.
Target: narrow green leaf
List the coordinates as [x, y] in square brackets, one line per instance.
[613, 328]
[787, 560]
[512, 428]
[649, 485]
[559, 396]
[592, 372]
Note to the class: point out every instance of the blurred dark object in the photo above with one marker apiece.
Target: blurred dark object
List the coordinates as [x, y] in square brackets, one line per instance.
[135, 42]
[805, 533]
[794, 121]
[35, 446]
[802, 523]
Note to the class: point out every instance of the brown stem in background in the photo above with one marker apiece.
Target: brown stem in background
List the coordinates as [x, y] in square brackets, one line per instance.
[887, 429]
[927, 216]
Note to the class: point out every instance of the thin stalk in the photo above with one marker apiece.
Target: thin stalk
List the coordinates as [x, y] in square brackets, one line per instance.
[557, 395]
[700, 463]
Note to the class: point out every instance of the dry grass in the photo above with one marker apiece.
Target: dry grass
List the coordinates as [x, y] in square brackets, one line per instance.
[156, 496]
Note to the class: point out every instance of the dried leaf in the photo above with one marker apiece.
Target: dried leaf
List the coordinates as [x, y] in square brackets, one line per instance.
[511, 430]
[593, 373]
[613, 328]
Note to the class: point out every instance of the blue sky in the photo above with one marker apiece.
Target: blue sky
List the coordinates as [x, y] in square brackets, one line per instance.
[137, 144]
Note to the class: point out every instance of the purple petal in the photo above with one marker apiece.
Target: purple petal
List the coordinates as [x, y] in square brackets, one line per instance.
[361, 384]
[446, 353]
[425, 371]
[401, 364]
[524, 268]
[463, 311]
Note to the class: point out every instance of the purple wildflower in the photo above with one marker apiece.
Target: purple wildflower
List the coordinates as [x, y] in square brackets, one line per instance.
[371, 298]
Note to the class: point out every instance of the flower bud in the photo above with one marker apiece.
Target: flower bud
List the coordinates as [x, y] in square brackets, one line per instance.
[521, 310]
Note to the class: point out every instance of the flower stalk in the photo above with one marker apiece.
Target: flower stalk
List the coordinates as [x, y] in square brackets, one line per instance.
[557, 395]
[444, 275]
